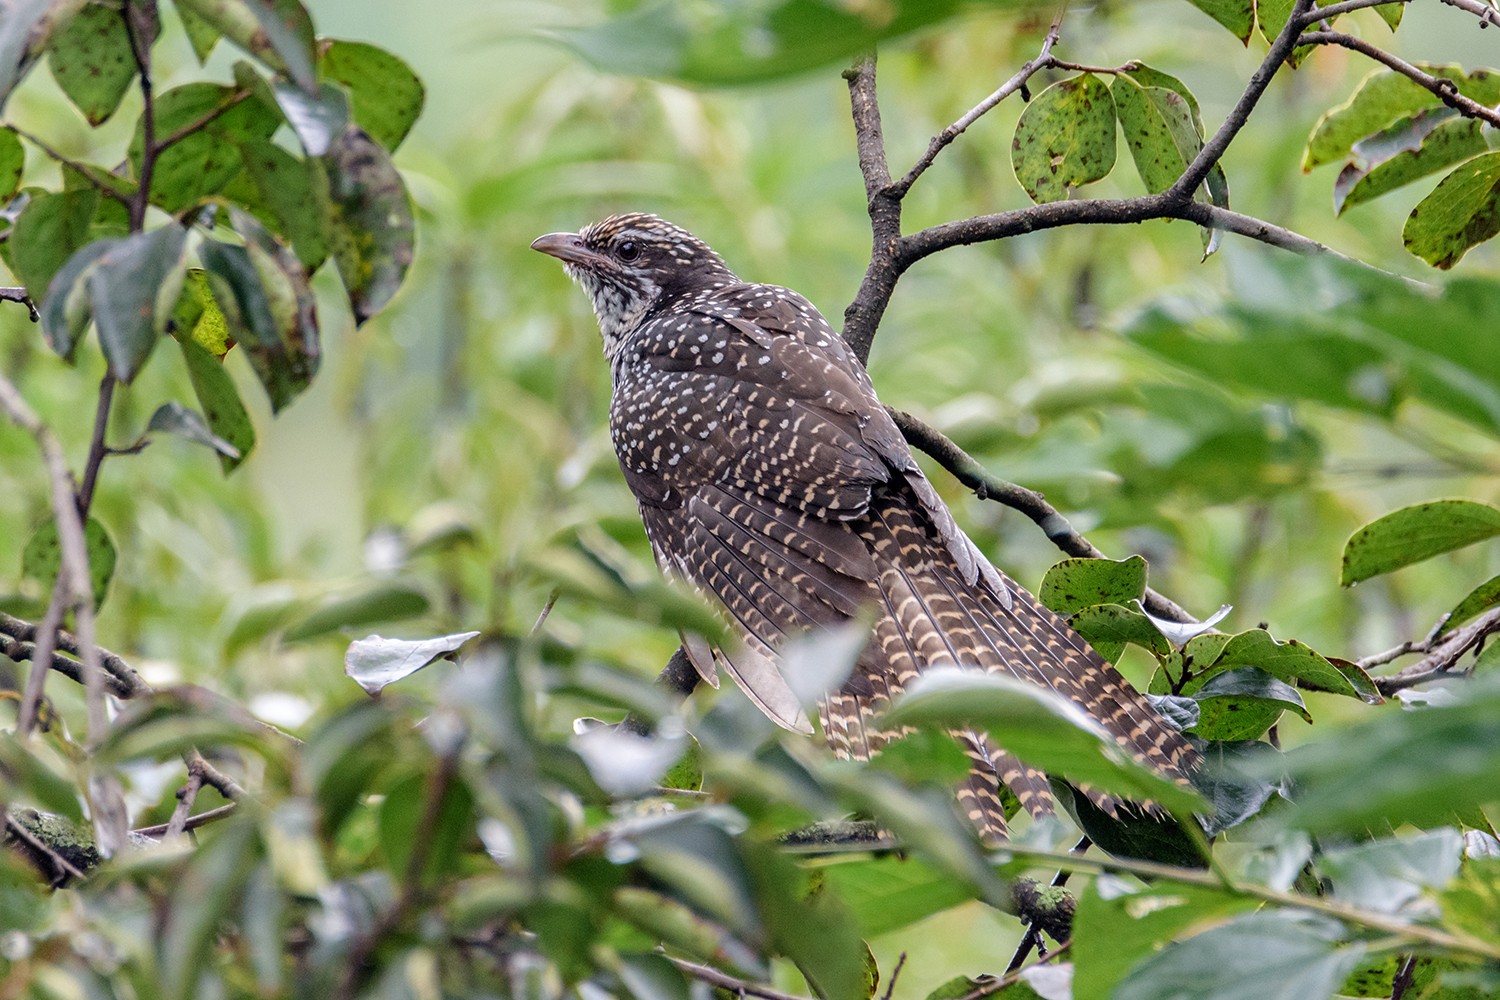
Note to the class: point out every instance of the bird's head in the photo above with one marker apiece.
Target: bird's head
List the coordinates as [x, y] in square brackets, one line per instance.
[633, 264]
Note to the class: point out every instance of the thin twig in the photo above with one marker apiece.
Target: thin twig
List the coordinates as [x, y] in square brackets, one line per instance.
[192, 823]
[890, 986]
[81, 169]
[1486, 13]
[97, 449]
[186, 796]
[723, 980]
[1334, 10]
[12, 293]
[126, 683]
[947, 135]
[1444, 89]
[212, 776]
[140, 50]
[229, 102]
[1442, 654]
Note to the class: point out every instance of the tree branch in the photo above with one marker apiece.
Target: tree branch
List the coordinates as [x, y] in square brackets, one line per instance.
[1445, 90]
[724, 981]
[1333, 10]
[11, 293]
[122, 676]
[1487, 14]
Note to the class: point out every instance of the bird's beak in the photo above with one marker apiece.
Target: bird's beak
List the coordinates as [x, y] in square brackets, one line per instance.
[566, 247]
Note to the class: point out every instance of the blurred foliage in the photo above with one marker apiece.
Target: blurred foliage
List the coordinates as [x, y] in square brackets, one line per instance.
[443, 469]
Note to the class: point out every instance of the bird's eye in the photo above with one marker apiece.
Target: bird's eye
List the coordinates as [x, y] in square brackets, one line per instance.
[628, 251]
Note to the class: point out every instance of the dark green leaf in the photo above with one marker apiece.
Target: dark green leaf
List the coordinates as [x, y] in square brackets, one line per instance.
[1419, 146]
[1461, 212]
[1479, 600]
[211, 121]
[316, 120]
[385, 96]
[174, 418]
[374, 662]
[92, 62]
[1074, 584]
[277, 32]
[12, 164]
[1131, 832]
[1241, 704]
[1040, 727]
[381, 602]
[401, 828]
[1291, 661]
[279, 188]
[1237, 779]
[265, 299]
[1236, 15]
[220, 399]
[370, 218]
[66, 310]
[1117, 925]
[1159, 131]
[1415, 533]
[41, 560]
[1065, 138]
[29, 777]
[1109, 627]
[1278, 953]
[50, 229]
[263, 924]
[133, 287]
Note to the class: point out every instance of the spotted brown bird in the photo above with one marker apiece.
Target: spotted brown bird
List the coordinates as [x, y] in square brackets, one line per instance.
[772, 479]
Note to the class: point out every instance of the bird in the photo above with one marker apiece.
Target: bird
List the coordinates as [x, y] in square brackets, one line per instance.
[771, 479]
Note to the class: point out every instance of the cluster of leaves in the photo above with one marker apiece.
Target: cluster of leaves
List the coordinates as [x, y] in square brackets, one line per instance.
[209, 228]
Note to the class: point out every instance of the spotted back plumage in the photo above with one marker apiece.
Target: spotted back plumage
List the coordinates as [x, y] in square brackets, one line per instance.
[770, 477]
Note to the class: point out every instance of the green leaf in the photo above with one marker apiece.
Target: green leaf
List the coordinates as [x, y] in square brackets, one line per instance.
[1291, 661]
[92, 62]
[380, 602]
[1159, 131]
[1436, 763]
[1278, 953]
[208, 884]
[1462, 212]
[201, 162]
[277, 32]
[374, 662]
[198, 317]
[220, 399]
[1241, 704]
[1383, 99]
[25, 30]
[133, 287]
[29, 776]
[265, 299]
[370, 219]
[1389, 875]
[1110, 627]
[1117, 925]
[401, 825]
[1065, 138]
[1074, 584]
[315, 119]
[12, 163]
[1043, 729]
[1478, 601]
[201, 35]
[385, 96]
[50, 229]
[888, 893]
[1271, 16]
[704, 42]
[1415, 533]
[1391, 13]
[174, 418]
[65, 311]
[277, 188]
[41, 560]
[1236, 15]
[1421, 145]
[1237, 779]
